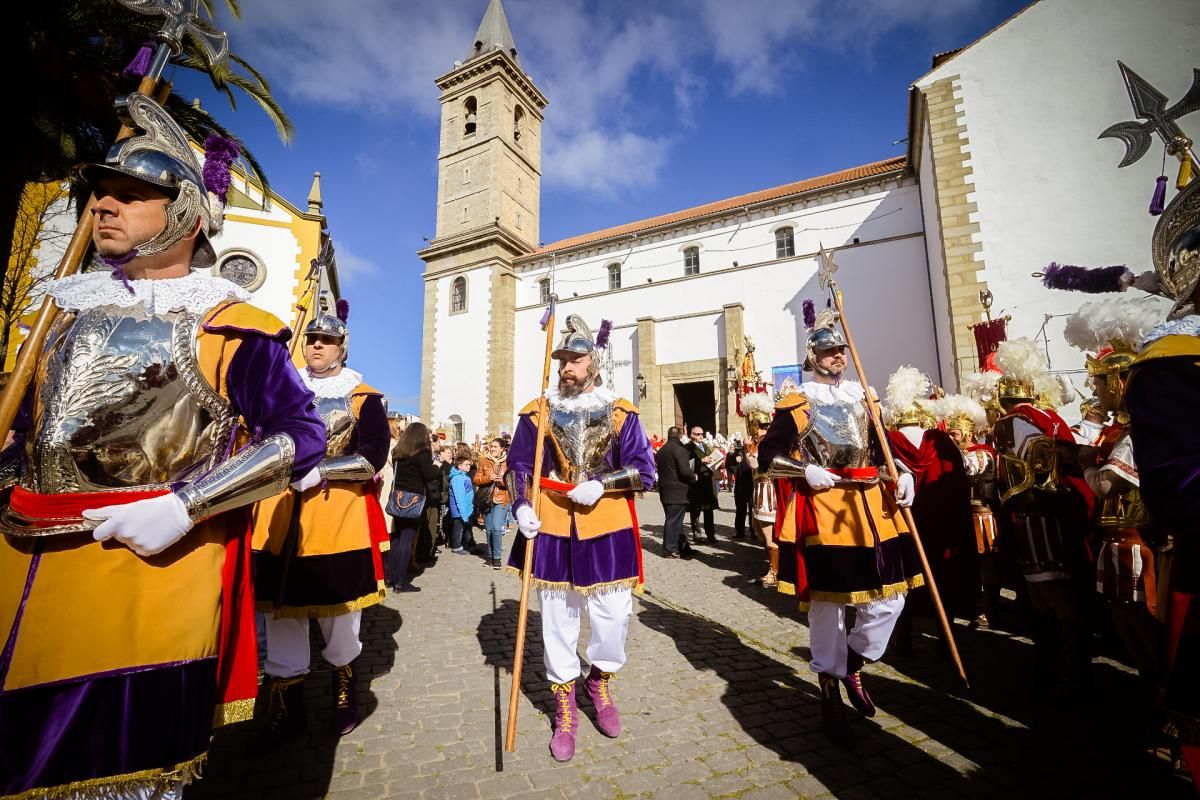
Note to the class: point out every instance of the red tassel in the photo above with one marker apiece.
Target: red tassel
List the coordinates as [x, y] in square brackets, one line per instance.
[1159, 199]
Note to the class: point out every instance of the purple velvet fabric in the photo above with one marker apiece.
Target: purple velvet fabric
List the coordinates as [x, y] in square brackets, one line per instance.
[580, 562]
[267, 391]
[372, 436]
[105, 725]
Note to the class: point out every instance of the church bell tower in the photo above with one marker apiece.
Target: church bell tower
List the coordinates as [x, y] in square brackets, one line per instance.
[488, 208]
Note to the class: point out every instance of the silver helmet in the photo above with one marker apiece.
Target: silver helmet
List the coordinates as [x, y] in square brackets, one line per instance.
[823, 336]
[161, 155]
[577, 339]
[326, 324]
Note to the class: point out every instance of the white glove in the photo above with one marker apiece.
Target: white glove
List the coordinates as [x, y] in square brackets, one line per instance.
[819, 478]
[587, 493]
[905, 491]
[146, 526]
[527, 522]
[310, 479]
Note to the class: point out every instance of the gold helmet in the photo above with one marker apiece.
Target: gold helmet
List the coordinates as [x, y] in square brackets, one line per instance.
[906, 399]
[1022, 365]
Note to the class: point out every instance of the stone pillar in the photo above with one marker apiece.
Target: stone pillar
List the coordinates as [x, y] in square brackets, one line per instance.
[651, 405]
[735, 337]
[428, 331]
[501, 347]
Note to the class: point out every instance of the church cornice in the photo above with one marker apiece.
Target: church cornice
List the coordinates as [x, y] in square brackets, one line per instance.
[475, 239]
[497, 60]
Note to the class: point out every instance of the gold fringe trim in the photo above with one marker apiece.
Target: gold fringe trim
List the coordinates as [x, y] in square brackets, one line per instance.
[157, 778]
[639, 588]
[805, 606]
[869, 595]
[783, 587]
[237, 711]
[567, 586]
[317, 612]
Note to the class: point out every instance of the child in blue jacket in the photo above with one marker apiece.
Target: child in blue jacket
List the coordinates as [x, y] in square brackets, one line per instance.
[462, 503]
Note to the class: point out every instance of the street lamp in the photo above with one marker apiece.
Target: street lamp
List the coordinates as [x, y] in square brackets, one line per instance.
[731, 378]
[641, 385]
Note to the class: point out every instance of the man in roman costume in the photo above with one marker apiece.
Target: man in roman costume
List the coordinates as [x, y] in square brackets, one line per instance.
[584, 535]
[941, 508]
[317, 549]
[1047, 507]
[841, 537]
[125, 597]
[758, 409]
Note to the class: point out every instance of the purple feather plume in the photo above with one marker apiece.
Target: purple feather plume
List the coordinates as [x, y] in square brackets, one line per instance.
[602, 334]
[810, 313]
[342, 309]
[141, 61]
[1091, 280]
[219, 153]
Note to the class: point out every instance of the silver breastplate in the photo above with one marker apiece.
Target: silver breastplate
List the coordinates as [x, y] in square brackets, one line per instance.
[339, 421]
[838, 436]
[583, 438]
[121, 403]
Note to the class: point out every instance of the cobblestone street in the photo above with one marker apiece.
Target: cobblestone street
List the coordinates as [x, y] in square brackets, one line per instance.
[717, 702]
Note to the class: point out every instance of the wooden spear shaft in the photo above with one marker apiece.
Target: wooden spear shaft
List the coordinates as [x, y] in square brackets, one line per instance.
[514, 695]
[31, 350]
[877, 421]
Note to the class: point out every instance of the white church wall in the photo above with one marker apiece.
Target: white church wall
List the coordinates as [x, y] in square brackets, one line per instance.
[276, 250]
[688, 338]
[460, 382]
[1036, 94]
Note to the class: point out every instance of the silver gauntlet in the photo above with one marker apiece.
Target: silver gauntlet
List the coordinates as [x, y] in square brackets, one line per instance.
[626, 479]
[346, 468]
[786, 467]
[260, 471]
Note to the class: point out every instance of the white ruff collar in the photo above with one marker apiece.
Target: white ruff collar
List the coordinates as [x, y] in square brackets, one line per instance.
[597, 398]
[340, 385]
[196, 292]
[826, 394]
[1185, 326]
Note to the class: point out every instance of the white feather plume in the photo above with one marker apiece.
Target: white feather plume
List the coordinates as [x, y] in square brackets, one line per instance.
[1099, 323]
[906, 387]
[1051, 389]
[980, 386]
[757, 402]
[956, 405]
[1021, 359]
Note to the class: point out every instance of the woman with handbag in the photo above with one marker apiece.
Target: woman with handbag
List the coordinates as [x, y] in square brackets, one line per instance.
[489, 480]
[413, 471]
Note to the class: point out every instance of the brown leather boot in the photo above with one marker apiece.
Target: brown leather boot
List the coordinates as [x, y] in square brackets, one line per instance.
[771, 579]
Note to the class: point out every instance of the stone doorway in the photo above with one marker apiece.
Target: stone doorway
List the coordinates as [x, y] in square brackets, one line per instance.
[696, 404]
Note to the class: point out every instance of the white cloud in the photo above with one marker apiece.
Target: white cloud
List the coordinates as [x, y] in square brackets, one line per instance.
[381, 58]
[351, 266]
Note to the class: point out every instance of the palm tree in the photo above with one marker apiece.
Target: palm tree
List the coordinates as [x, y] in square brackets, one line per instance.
[61, 105]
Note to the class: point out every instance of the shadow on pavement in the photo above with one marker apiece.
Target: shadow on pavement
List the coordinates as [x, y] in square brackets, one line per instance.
[300, 768]
[497, 634]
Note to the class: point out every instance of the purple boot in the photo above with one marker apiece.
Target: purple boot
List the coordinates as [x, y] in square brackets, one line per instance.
[854, 685]
[598, 688]
[566, 721]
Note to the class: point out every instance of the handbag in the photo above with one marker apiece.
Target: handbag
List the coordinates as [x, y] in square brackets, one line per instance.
[404, 505]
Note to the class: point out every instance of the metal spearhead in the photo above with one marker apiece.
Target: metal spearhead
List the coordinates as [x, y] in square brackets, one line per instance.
[827, 268]
[181, 18]
[1150, 105]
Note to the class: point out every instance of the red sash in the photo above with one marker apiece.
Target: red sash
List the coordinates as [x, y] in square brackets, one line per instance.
[855, 473]
[563, 487]
[50, 510]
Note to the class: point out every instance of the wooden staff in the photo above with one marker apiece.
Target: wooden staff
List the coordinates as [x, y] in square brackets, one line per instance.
[877, 421]
[510, 735]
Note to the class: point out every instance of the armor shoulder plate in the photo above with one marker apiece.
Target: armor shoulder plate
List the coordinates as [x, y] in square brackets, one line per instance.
[530, 408]
[239, 317]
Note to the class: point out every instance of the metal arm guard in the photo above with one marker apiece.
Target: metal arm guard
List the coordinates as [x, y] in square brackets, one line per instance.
[626, 479]
[786, 467]
[346, 468]
[260, 471]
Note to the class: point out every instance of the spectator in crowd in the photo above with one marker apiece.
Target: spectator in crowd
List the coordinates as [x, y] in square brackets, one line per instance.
[446, 462]
[385, 484]
[429, 533]
[413, 469]
[462, 503]
[489, 478]
[675, 476]
[737, 467]
[702, 493]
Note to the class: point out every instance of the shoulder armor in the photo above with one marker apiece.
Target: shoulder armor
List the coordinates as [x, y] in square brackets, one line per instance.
[239, 317]
[791, 401]
[530, 408]
[624, 405]
[1174, 346]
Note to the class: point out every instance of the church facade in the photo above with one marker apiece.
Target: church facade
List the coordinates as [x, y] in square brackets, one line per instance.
[996, 183]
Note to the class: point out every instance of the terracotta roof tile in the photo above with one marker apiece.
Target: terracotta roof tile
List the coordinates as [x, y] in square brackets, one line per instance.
[798, 187]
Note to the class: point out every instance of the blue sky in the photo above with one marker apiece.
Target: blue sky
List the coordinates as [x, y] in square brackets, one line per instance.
[654, 106]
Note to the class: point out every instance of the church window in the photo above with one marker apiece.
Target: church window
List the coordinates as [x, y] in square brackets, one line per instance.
[458, 295]
[456, 428]
[785, 242]
[544, 290]
[466, 174]
[518, 220]
[518, 119]
[462, 214]
[243, 269]
[614, 276]
[470, 107]
[691, 261]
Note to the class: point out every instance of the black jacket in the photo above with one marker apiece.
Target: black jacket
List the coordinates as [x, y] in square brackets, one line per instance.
[674, 473]
[419, 475]
[703, 493]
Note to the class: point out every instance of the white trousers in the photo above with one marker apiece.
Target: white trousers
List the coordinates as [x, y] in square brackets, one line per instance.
[608, 614]
[828, 638]
[287, 643]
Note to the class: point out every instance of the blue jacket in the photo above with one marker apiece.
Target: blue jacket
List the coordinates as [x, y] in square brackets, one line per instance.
[462, 495]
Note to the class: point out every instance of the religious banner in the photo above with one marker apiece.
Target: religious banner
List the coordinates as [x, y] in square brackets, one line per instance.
[785, 380]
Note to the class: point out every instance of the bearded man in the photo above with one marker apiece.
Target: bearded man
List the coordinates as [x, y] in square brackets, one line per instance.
[124, 566]
[586, 546]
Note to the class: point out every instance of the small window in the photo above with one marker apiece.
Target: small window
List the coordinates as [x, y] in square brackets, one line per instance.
[614, 276]
[242, 269]
[470, 107]
[518, 120]
[785, 242]
[466, 174]
[544, 290]
[458, 295]
[518, 220]
[691, 261]
[462, 215]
